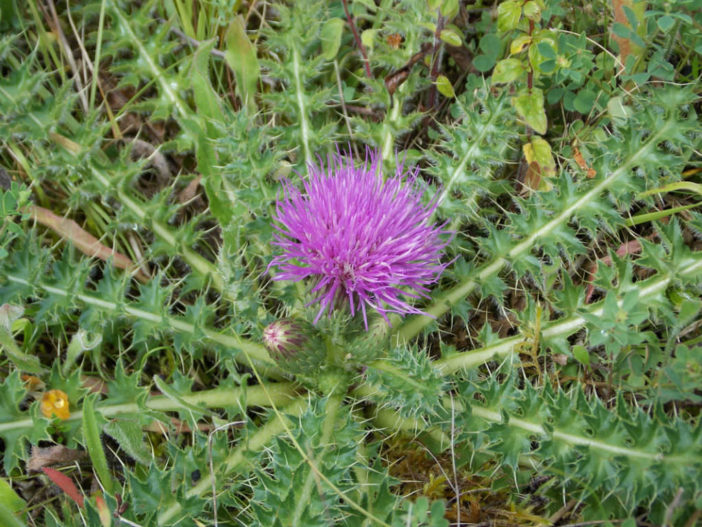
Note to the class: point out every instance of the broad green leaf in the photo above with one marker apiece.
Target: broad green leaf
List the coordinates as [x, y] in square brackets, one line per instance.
[7, 517]
[581, 355]
[91, 433]
[241, 57]
[530, 107]
[451, 37]
[538, 151]
[449, 8]
[206, 99]
[519, 43]
[444, 86]
[368, 38]
[128, 433]
[532, 11]
[507, 70]
[9, 499]
[330, 35]
[508, 14]
[211, 181]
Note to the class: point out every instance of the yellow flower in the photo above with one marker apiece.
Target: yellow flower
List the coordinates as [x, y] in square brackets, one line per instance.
[55, 403]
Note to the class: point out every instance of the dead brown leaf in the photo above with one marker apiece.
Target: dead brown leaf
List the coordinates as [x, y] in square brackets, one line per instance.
[626, 46]
[394, 40]
[94, 384]
[189, 192]
[53, 455]
[83, 240]
[580, 160]
[632, 247]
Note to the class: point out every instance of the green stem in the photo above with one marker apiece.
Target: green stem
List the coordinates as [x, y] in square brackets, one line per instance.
[473, 152]
[392, 420]
[96, 60]
[162, 79]
[388, 132]
[197, 262]
[332, 407]
[443, 303]
[495, 415]
[657, 215]
[255, 351]
[277, 393]
[302, 109]
[648, 290]
[238, 457]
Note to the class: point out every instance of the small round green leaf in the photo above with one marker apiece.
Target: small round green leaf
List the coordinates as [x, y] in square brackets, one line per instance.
[532, 11]
[330, 35]
[508, 15]
[451, 37]
[665, 23]
[484, 63]
[584, 101]
[444, 86]
[581, 355]
[449, 8]
[507, 70]
[530, 107]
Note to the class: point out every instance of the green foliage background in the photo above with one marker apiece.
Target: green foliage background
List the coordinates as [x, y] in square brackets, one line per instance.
[559, 372]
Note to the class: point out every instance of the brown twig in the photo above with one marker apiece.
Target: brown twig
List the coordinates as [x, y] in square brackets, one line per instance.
[357, 38]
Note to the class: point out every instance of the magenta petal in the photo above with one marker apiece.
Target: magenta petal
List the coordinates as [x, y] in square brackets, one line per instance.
[364, 239]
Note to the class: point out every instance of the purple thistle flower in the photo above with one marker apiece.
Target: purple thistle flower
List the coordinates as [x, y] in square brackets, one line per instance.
[361, 239]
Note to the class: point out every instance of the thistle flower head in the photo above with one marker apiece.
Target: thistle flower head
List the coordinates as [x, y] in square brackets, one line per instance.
[285, 337]
[362, 240]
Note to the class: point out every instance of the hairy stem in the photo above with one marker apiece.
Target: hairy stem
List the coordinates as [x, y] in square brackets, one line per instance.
[332, 407]
[302, 109]
[443, 303]
[495, 415]
[168, 91]
[275, 393]
[648, 290]
[254, 443]
[257, 352]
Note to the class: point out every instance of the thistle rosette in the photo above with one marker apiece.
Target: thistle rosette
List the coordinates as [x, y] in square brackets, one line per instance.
[362, 240]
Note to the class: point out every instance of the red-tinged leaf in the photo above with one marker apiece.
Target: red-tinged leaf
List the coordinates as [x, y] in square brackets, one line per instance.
[103, 511]
[65, 484]
[632, 247]
[626, 46]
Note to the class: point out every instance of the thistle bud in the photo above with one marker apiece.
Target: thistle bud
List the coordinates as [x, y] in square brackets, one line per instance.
[294, 344]
[369, 345]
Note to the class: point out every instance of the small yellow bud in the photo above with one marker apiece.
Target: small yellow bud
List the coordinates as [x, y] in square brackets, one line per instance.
[55, 403]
